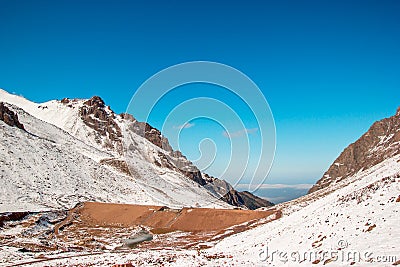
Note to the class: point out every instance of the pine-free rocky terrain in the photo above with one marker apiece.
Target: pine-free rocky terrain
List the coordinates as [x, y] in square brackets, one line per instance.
[70, 198]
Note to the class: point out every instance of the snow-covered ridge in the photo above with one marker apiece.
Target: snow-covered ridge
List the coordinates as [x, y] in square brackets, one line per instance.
[57, 163]
[52, 112]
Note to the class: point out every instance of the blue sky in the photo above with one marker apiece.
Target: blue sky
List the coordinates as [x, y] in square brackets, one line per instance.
[328, 69]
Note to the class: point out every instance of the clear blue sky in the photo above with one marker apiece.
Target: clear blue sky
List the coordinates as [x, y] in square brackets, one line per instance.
[328, 69]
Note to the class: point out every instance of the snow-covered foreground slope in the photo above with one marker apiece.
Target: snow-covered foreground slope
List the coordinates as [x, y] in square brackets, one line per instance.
[358, 218]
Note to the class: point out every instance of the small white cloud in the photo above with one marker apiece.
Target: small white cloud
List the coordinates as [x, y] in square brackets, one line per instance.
[184, 126]
[239, 133]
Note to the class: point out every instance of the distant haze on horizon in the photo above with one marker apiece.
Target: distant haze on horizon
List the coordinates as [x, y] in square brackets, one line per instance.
[328, 69]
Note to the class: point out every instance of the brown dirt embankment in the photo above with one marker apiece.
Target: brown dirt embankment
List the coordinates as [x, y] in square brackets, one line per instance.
[156, 217]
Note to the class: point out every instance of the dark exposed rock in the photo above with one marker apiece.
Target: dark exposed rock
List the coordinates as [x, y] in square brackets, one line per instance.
[9, 117]
[12, 216]
[195, 176]
[380, 142]
[25, 250]
[183, 166]
[233, 197]
[150, 133]
[127, 116]
[94, 114]
[228, 194]
[65, 101]
[153, 135]
[254, 202]
[120, 165]
[177, 154]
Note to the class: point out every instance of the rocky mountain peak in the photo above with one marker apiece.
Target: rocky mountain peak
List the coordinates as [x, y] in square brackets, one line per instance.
[380, 142]
[149, 132]
[95, 101]
[9, 117]
[127, 116]
[95, 114]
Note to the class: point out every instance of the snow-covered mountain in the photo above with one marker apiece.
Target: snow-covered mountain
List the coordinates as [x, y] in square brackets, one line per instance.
[75, 150]
[380, 142]
[350, 218]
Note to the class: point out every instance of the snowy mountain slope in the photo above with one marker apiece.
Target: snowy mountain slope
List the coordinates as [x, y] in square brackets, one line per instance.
[64, 114]
[360, 217]
[120, 137]
[46, 168]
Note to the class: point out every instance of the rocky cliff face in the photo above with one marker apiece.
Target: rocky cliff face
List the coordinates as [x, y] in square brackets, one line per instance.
[97, 116]
[228, 194]
[253, 202]
[9, 117]
[380, 142]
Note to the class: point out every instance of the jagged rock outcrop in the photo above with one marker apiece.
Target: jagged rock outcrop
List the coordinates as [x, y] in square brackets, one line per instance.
[9, 117]
[97, 116]
[233, 197]
[380, 142]
[228, 194]
[253, 202]
[181, 165]
[150, 133]
[127, 117]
